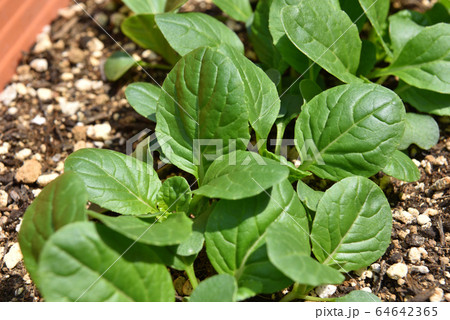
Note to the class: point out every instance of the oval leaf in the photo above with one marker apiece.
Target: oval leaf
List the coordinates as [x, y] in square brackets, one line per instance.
[424, 61]
[118, 64]
[421, 130]
[377, 11]
[211, 106]
[289, 250]
[236, 236]
[308, 196]
[401, 167]
[218, 288]
[352, 225]
[174, 229]
[62, 202]
[330, 39]
[425, 100]
[189, 31]
[143, 97]
[174, 195]
[84, 262]
[115, 181]
[350, 130]
[142, 29]
[262, 96]
[241, 175]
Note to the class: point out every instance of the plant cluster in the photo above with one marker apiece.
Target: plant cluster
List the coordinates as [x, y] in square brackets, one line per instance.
[260, 234]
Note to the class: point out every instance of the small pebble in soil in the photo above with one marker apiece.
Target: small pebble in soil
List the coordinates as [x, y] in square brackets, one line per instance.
[99, 131]
[8, 95]
[36, 192]
[187, 288]
[14, 255]
[3, 198]
[397, 271]
[38, 120]
[39, 65]
[83, 84]
[45, 179]
[403, 216]
[414, 255]
[44, 94]
[67, 76]
[21, 89]
[447, 297]
[423, 219]
[23, 154]
[4, 148]
[367, 289]
[441, 184]
[76, 55]
[101, 18]
[2, 168]
[12, 111]
[420, 269]
[178, 284]
[431, 212]
[375, 267]
[95, 45]
[69, 108]
[325, 291]
[437, 296]
[43, 43]
[29, 172]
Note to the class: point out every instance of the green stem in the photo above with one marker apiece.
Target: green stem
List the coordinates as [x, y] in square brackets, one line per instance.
[281, 128]
[291, 295]
[310, 298]
[382, 79]
[377, 73]
[191, 275]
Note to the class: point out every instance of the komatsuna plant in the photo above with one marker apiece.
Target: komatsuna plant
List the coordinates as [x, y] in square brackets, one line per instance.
[263, 226]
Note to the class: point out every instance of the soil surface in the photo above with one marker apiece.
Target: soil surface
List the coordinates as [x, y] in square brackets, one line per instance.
[59, 101]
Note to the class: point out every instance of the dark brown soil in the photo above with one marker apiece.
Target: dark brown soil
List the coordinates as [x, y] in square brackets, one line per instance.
[51, 142]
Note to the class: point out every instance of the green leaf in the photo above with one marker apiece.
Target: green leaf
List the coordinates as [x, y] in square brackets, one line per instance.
[350, 130]
[294, 173]
[359, 296]
[84, 262]
[241, 175]
[401, 167]
[262, 96]
[118, 64]
[377, 11]
[289, 250]
[368, 58]
[262, 40]
[424, 100]
[175, 229]
[189, 31]
[145, 6]
[115, 181]
[288, 51]
[309, 89]
[309, 196]
[174, 195]
[421, 130]
[239, 10]
[352, 225]
[60, 203]
[402, 28]
[424, 61]
[218, 288]
[355, 12]
[172, 5]
[326, 35]
[143, 97]
[171, 258]
[439, 13]
[211, 106]
[142, 29]
[236, 234]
